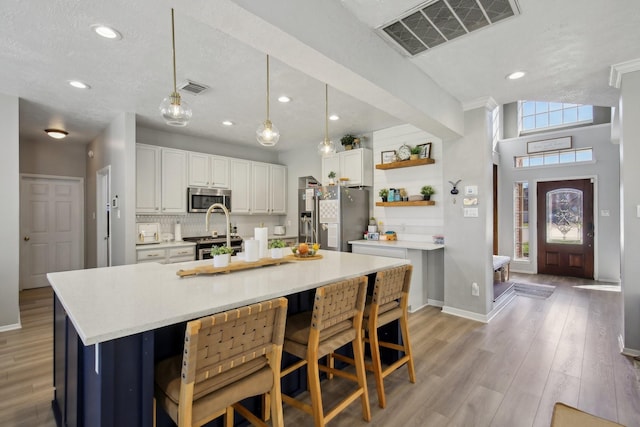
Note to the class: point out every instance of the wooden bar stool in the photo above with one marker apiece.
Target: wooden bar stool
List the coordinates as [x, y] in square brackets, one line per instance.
[336, 320]
[389, 302]
[227, 357]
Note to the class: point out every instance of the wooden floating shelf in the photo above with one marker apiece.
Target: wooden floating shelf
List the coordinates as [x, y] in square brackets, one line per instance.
[405, 164]
[414, 203]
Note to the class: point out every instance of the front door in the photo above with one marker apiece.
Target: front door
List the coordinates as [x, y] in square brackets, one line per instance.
[565, 228]
[51, 226]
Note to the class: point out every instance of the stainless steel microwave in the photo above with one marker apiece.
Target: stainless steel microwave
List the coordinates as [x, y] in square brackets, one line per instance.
[199, 199]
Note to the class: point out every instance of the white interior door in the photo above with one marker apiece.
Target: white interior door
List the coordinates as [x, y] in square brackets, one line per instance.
[52, 227]
[103, 217]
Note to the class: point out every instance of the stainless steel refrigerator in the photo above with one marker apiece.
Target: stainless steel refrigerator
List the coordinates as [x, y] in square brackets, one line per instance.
[332, 216]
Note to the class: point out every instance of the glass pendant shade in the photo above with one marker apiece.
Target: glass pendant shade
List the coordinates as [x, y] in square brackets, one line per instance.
[267, 134]
[175, 111]
[326, 147]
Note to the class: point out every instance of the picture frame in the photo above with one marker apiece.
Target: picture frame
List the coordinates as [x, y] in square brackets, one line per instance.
[425, 150]
[388, 156]
[554, 144]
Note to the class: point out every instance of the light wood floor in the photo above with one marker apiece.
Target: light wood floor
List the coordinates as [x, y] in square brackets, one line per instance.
[507, 373]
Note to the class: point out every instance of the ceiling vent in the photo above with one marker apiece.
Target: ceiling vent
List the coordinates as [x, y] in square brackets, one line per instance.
[193, 87]
[436, 22]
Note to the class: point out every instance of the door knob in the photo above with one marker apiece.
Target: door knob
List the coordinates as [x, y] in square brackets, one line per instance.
[26, 238]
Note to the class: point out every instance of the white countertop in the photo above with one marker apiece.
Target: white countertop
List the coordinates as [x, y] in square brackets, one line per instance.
[164, 245]
[403, 244]
[113, 302]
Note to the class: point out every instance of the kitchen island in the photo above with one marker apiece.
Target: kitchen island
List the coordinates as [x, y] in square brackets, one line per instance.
[427, 280]
[112, 324]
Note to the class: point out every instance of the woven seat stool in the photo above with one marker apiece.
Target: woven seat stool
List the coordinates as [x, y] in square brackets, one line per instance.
[227, 357]
[335, 321]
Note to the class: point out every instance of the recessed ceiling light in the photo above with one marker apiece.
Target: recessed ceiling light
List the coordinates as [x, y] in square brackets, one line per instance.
[334, 117]
[106, 32]
[56, 133]
[228, 123]
[78, 84]
[284, 98]
[516, 75]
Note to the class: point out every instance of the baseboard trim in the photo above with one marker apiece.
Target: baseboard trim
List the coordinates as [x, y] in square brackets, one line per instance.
[631, 352]
[412, 309]
[435, 302]
[11, 327]
[501, 303]
[466, 314]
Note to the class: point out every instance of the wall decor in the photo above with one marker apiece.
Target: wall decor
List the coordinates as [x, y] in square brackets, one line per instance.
[549, 145]
[425, 152]
[388, 156]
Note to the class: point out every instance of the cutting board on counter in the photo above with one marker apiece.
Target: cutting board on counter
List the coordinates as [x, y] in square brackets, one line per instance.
[233, 266]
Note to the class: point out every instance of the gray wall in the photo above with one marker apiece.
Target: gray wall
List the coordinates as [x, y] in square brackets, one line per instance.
[630, 177]
[10, 225]
[468, 241]
[52, 157]
[606, 194]
[601, 115]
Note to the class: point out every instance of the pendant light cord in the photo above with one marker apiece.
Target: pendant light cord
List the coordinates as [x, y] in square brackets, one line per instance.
[173, 51]
[267, 87]
[326, 112]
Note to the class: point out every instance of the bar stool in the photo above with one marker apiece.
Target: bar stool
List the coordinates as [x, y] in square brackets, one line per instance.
[336, 320]
[227, 357]
[389, 302]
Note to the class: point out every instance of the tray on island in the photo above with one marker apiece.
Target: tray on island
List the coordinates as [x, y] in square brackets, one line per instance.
[233, 266]
[302, 258]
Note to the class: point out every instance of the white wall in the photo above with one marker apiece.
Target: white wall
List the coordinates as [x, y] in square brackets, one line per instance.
[10, 225]
[415, 223]
[52, 157]
[605, 170]
[115, 146]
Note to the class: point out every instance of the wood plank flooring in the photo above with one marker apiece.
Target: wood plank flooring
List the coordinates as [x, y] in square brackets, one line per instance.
[506, 373]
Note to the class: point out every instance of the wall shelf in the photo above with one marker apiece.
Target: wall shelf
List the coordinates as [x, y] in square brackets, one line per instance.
[405, 164]
[414, 203]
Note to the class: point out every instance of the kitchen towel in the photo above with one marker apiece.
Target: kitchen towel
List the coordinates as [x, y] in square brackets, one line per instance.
[251, 250]
[261, 235]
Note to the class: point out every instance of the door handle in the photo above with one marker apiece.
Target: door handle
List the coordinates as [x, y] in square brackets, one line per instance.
[27, 238]
[590, 234]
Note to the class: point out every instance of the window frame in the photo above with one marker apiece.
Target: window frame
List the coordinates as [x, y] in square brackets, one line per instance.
[565, 106]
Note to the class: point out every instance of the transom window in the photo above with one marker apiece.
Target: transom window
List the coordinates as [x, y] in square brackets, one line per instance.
[538, 115]
[554, 158]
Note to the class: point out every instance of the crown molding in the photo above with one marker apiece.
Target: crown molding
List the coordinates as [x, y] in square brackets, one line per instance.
[486, 102]
[617, 70]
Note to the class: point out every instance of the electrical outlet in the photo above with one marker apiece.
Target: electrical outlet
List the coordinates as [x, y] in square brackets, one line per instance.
[475, 289]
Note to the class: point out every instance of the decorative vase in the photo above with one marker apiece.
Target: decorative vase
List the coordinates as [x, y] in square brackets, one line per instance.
[414, 157]
[384, 199]
[426, 196]
[331, 181]
[221, 260]
[277, 252]
[348, 147]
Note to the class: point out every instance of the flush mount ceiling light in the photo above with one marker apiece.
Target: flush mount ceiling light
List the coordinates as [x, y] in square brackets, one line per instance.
[284, 99]
[516, 75]
[56, 133]
[334, 117]
[106, 32]
[175, 111]
[228, 123]
[267, 134]
[326, 146]
[78, 84]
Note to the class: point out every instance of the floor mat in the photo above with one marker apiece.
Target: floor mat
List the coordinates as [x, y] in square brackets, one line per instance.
[533, 290]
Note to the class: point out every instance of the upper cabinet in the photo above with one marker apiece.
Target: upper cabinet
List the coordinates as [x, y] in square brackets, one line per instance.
[208, 171]
[258, 188]
[356, 165]
[161, 180]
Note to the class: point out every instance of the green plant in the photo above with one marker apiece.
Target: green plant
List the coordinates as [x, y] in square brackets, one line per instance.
[332, 174]
[220, 250]
[384, 192]
[277, 243]
[416, 150]
[427, 190]
[347, 139]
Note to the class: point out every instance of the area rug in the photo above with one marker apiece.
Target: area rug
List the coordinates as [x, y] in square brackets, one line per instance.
[533, 290]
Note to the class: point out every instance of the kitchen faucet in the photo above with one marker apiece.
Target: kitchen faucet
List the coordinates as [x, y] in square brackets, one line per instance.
[226, 214]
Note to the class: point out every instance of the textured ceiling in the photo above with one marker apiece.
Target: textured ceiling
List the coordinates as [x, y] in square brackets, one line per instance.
[566, 47]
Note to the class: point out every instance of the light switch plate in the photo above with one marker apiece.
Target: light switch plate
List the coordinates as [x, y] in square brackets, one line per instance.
[471, 190]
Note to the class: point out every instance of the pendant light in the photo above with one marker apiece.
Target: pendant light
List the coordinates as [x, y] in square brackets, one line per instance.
[267, 134]
[175, 111]
[326, 146]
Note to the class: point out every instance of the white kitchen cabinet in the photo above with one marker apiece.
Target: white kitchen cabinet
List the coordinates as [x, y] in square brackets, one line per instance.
[357, 165]
[161, 180]
[166, 253]
[260, 187]
[278, 189]
[240, 171]
[208, 171]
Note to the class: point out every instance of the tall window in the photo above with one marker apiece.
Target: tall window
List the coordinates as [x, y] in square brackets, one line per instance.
[521, 220]
[537, 115]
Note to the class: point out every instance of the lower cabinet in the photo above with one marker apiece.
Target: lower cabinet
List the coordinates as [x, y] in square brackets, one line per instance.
[165, 254]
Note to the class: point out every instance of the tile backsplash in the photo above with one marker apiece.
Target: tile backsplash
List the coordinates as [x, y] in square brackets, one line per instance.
[194, 224]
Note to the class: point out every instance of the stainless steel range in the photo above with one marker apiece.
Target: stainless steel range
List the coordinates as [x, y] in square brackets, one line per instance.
[204, 243]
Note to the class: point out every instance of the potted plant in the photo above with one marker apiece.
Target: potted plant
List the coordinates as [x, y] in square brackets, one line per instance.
[384, 193]
[415, 153]
[347, 141]
[221, 255]
[427, 191]
[332, 176]
[276, 248]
